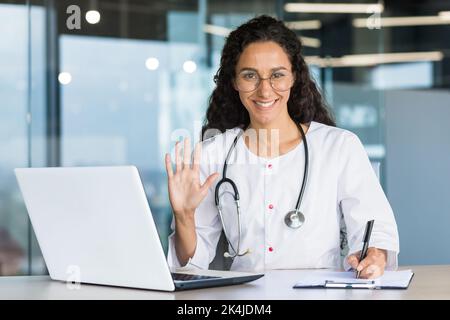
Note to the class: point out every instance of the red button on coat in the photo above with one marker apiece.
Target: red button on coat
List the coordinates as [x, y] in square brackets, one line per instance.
[269, 166]
[270, 249]
[270, 206]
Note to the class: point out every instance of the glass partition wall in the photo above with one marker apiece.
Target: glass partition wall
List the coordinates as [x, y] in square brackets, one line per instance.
[88, 83]
[23, 125]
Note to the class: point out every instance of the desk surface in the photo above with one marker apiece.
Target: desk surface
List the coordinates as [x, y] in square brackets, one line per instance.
[429, 282]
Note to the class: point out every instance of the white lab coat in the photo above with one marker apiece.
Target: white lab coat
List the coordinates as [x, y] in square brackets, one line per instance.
[341, 182]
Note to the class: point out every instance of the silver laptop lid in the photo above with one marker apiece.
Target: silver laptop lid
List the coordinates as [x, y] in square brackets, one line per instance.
[97, 221]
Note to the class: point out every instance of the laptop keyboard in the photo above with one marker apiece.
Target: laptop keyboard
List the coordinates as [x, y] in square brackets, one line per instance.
[189, 277]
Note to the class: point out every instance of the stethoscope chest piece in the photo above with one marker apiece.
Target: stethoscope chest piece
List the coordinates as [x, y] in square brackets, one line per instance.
[294, 219]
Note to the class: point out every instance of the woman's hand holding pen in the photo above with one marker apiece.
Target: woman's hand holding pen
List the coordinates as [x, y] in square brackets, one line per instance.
[370, 267]
[185, 190]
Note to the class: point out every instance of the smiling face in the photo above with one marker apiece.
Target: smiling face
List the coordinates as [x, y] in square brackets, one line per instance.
[266, 106]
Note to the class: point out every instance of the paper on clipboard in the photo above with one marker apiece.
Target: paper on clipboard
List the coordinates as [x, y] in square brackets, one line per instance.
[340, 279]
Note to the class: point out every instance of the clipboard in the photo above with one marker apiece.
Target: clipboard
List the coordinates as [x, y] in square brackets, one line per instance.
[346, 280]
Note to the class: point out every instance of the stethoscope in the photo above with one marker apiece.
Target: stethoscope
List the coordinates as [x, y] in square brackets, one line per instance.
[293, 219]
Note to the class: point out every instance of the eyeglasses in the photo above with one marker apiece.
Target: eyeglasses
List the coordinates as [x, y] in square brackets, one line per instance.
[248, 81]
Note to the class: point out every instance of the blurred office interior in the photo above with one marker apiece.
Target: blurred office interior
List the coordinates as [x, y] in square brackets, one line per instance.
[125, 81]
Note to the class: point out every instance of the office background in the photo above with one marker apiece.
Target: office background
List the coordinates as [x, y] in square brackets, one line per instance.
[122, 83]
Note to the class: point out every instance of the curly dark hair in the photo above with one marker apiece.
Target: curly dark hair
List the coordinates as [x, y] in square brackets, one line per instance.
[225, 109]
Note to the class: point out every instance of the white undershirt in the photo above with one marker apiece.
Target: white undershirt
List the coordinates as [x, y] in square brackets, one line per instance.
[340, 179]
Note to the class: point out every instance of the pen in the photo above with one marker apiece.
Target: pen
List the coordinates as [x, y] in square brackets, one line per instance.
[366, 239]
[343, 285]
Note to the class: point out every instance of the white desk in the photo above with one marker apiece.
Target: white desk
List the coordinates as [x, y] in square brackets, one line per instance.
[429, 282]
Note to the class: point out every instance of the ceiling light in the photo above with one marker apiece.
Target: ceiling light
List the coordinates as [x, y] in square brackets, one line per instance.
[304, 25]
[64, 78]
[216, 30]
[444, 15]
[310, 42]
[189, 66]
[152, 63]
[367, 60]
[93, 16]
[334, 7]
[403, 21]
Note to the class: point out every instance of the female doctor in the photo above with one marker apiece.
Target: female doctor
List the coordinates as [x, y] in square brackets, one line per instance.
[279, 176]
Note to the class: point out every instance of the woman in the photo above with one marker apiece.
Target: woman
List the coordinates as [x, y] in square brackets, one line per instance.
[271, 116]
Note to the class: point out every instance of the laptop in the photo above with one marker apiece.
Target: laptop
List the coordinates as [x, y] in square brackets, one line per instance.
[94, 224]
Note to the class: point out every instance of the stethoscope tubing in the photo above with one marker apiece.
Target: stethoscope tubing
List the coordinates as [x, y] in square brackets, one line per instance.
[305, 170]
[236, 195]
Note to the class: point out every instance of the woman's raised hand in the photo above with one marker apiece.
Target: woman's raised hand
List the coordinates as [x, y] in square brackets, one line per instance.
[185, 189]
